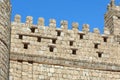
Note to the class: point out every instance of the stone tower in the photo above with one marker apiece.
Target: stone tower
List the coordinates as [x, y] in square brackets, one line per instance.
[112, 19]
[5, 10]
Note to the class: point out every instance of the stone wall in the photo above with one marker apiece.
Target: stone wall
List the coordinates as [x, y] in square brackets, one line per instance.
[40, 52]
[4, 38]
[39, 71]
[35, 49]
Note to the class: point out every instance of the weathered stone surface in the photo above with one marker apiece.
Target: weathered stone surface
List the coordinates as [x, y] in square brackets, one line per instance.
[49, 53]
[5, 10]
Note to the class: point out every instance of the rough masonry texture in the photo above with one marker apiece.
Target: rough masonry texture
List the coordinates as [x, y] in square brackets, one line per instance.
[40, 52]
[5, 10]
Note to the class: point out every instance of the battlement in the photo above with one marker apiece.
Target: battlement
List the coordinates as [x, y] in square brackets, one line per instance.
[52, 24]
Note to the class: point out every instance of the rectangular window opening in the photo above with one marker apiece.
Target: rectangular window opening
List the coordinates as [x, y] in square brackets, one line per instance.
[32, 30]
[39, 39]
[81, 36]
[105, 39]
[25, 46]
[71, 43]
[58, 33]
[20, 36]
[99, 54]
[74, 52]
[51, 49]
[96, 46]
[54, 41]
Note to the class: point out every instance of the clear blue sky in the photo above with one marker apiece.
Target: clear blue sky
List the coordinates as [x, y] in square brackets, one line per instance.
[82, 11]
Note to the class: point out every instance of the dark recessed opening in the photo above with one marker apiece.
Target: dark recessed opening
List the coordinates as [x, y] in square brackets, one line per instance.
[25, 46]
[30, 62]
[105, 39]
[51, 49]
[20, 61]
[39, 39]
[99, 55]
[20, 36]
[32, 30]
[96, 46]
[71, 43]
[118, 17]
[58, 33]
[74, 52]
[81, 36]
[54, 41]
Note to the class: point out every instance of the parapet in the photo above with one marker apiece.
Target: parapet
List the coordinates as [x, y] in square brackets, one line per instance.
[96, 30]
[85, 28]
[52, 24]
[75, 25]
[41, 22]
[64, 24]
[29, 20]
[17, 18]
